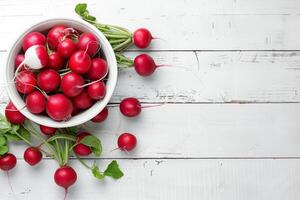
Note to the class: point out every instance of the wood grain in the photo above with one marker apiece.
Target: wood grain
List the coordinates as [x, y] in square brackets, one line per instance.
[211, 77]
[165, 179]
[203, 131]
[183, 25]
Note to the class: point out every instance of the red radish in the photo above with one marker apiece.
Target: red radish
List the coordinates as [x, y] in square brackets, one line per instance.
[32, 156]
[48, 80]
[33, 38]
[36, 57]
[66, 47]
[80, 62]
[65, 176]
[54, 36]
[8, 161]
[35, 102]
[47, 130]
[130, 107]
[98, 69]
[26, 82]
[83, 100]
[13, 115]
[126, 142]
[59, 107]
[89, 43]
[55, 61]
[19, 59]
[144, 65]
[75, 111]
[97, 90]
[81, 149]
[101, 116]
[70, 84]
[142, 38]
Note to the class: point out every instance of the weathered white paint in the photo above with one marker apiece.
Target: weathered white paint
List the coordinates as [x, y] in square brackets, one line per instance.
[203, 130]
[191, 24]
[211, 77]
[165, 179]
[190, 129]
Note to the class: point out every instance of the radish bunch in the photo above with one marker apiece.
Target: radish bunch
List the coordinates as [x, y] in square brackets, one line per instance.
[59, 71]
[121, 39]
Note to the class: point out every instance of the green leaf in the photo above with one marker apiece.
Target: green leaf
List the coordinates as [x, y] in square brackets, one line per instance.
[96, 173]
[3, 150]
[5, 126]
[80, 8]
[12, 137]
[113, 170]
[72, 130]
[94, 143]
[24, 133]
[15, 127]
[2, 140]
[62, 136]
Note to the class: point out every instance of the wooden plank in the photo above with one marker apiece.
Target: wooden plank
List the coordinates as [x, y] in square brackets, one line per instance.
[203, 131]
[184, 25]
[165, 179]
[211, 77]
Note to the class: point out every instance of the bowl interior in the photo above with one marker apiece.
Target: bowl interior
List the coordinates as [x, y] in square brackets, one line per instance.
[84, 116]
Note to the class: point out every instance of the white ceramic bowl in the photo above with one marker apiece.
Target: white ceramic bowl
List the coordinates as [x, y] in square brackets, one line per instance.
[87, 114]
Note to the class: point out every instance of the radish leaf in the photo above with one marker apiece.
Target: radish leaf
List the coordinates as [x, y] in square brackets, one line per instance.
[113, 170]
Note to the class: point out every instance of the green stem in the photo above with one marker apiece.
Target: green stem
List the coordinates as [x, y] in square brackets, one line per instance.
[32, 129]
[66, 152]
[83, 163]
[123, 60]
[123, 45]
[24, 139]
[59, 158]
[116, 36]
[116, 41]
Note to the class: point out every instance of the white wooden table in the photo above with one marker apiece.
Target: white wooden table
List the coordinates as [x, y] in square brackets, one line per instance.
[230, 126]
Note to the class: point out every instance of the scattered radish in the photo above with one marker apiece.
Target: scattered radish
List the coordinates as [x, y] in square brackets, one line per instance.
[65, 176]
[33, 38]
[13, 115]
[35, 102]
[98, 69]
[88, 42]
[97, 90]
[47, 130]
[55, 61]
[70, 84]
[81, 149]
[48, 80]
[130, 107]
[32, 156]
[83, 100]
[55, 35]
[59, 107]
[66, 47]
[8, 162]
[26, 82]
[127, 142]
[101, 116]
[80, 62]
[144, 65]
[142, 38]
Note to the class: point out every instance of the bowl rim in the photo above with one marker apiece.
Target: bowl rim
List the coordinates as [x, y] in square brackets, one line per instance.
[85, 115]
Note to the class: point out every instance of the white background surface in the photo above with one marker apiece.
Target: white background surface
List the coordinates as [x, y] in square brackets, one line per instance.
[229, 129]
